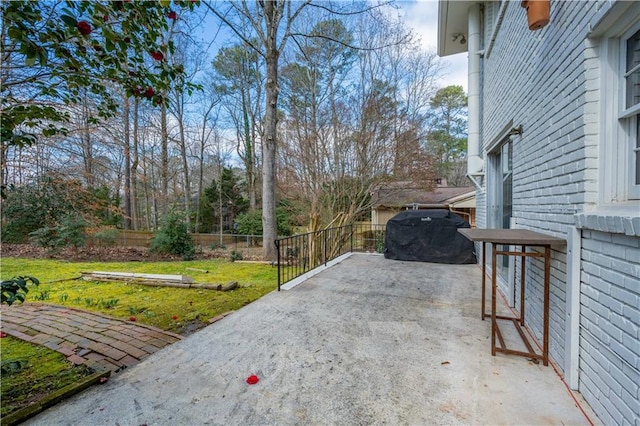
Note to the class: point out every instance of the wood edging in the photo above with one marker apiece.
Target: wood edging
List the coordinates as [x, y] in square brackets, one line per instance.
[50, 400]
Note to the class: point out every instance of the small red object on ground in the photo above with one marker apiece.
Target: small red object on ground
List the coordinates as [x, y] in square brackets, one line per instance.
[3, 334]
[175, 317]
[253, 379]
[132, 318]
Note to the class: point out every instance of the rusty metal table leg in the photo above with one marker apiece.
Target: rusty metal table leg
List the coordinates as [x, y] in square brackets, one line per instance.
[545, 331]
[494, 323]
[484, 275]
[522, 290]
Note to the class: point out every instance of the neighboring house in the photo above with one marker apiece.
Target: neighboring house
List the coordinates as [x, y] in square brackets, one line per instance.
[554, 146]
[388, 199]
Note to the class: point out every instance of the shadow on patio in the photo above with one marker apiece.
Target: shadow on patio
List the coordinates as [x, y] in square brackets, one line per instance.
[367, 341]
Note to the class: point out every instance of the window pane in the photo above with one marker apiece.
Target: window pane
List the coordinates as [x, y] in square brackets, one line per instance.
[633, 51]
[633, 79]
[633, 89]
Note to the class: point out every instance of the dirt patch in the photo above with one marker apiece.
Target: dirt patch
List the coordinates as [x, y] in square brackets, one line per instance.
[190, 327]
[113, 254]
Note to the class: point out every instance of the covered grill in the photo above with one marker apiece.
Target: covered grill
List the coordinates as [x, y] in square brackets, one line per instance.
[428, 236]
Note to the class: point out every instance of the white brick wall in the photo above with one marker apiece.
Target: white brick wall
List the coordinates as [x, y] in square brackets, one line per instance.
[548, 82]
[610, 326]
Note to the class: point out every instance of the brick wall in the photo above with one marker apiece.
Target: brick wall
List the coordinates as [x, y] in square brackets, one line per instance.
[548, 82]
[610, 326]
[537, 80]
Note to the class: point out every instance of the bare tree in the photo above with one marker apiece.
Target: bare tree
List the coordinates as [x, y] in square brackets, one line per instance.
[127, 163]
[207, 135]
[240, 71]
[271, 22]
[354, 116]
[135, 161]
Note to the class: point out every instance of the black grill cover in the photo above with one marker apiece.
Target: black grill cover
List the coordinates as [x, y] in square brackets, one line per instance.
[428, 236]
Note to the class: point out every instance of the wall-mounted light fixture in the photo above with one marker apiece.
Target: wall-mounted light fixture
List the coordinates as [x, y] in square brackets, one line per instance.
[515, 131]
[460, 37]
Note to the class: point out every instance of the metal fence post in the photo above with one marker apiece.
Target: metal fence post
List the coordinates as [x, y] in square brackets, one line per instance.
[277, 243]
[324, 235]
[351, 238]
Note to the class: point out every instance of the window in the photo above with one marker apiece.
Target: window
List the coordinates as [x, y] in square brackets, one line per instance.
[631, 108]
[632, 72]
[500, 195]
[620, 109]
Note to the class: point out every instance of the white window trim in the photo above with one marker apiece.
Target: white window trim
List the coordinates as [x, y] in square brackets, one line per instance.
[610, 214]
[624, 111]
[616, 185]
[632, 190]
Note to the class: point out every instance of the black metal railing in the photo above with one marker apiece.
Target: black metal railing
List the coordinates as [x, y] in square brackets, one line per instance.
[302, 253]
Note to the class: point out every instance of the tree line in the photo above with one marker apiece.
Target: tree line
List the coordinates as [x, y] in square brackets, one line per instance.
[303, 108]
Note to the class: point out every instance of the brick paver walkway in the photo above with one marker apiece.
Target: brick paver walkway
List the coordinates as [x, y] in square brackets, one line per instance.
[84, 337]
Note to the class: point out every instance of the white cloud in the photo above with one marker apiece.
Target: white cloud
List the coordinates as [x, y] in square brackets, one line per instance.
[422, 17]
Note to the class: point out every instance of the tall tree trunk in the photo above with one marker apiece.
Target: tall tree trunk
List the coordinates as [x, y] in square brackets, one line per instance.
[3, 164]
[203, 140]
[154, 193]
[273, 14]
[164, 160]
[220, 204]
[134, 168]
[85, 136]
[145, 179]
[127, 166]
[185, 166]
[249, 157]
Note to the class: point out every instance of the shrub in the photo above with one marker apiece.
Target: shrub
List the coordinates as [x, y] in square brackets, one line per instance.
[106, 237]
[23, 212]
[72, 232]
[47, 201]
[45, 237]
[16, 289]
[251, 223]
[173, 238]
[235, 255]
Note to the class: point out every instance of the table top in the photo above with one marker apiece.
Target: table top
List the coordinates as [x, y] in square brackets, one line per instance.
[511, 236]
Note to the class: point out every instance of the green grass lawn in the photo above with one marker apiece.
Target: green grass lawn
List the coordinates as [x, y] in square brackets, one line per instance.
[30, 372]
[155, 306]
[33, 371]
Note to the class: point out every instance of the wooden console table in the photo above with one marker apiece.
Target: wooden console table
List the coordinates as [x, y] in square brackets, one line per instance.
[523, 238]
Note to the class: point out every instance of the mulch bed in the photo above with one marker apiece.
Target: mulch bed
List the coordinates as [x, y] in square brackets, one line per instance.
[106, 254]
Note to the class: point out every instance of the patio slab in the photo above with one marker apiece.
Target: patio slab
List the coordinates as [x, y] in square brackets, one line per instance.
[368, 341]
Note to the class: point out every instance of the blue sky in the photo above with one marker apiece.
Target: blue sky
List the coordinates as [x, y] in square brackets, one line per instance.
[422, 16]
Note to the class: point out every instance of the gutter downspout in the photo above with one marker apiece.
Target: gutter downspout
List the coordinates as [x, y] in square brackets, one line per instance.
[475, 163]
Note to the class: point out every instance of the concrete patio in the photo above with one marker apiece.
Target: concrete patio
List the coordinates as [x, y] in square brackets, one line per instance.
[368, 341]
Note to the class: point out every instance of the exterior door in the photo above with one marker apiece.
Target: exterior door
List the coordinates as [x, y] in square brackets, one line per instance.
[500, 197]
